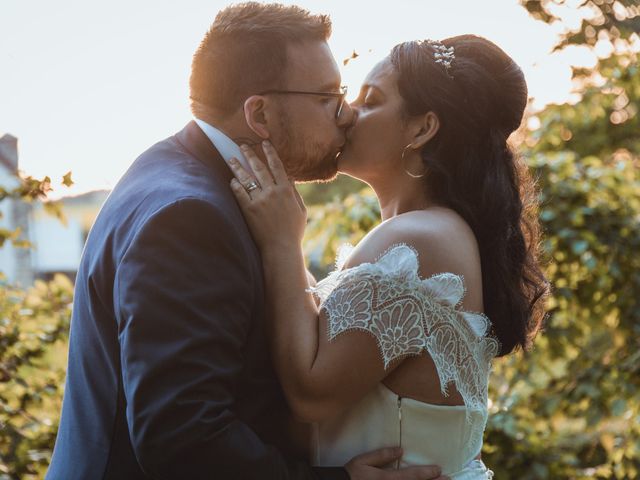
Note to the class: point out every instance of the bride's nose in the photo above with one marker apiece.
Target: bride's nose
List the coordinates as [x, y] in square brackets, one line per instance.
[347, 116]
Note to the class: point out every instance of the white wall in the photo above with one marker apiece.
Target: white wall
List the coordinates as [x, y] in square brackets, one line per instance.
[8, 257]
[57, 247]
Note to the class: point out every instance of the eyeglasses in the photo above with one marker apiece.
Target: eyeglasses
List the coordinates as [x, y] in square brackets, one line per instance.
[340, 96]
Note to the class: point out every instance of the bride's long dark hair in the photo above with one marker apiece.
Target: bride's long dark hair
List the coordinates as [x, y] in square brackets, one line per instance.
[480, 100]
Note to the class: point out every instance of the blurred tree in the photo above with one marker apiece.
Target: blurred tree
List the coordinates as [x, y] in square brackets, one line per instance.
[33, 333]
[340, 221]
[608, 20]
[324, 192]
[570, 409]
[605, 121]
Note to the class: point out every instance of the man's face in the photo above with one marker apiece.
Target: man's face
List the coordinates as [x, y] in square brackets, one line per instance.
[309, 136]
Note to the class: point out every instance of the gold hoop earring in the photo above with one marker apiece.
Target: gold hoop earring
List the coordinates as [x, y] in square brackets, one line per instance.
[412, 175]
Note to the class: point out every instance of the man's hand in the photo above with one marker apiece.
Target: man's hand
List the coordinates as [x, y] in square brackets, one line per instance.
[368, 466]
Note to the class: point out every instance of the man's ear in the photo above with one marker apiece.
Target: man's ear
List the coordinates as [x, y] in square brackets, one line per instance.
[256, 115]
[427, 127]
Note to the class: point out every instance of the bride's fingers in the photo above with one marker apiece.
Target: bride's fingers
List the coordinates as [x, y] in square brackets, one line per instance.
[240, 193]
[260, 170]
[244, 177]
[275, 164]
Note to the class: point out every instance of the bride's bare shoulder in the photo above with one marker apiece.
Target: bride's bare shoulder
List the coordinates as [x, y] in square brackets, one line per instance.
[442, 238]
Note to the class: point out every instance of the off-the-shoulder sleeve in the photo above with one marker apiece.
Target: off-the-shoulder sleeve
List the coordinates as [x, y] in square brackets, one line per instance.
[407, 315]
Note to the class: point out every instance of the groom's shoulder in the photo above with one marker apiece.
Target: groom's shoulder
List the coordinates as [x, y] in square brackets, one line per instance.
[167, 172]
[168, 164]
[163, 177]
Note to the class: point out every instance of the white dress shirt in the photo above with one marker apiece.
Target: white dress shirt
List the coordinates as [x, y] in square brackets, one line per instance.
[227, 147]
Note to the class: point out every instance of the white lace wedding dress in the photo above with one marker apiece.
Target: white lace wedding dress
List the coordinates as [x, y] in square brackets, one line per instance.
[408, 315]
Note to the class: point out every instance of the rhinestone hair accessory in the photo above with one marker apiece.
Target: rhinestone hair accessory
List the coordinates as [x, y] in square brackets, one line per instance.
[443, 55]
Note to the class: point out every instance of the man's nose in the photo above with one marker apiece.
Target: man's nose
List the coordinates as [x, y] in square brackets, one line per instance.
[347, 116]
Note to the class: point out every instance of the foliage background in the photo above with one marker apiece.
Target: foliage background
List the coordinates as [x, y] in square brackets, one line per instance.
[570, 408]
[34, 326]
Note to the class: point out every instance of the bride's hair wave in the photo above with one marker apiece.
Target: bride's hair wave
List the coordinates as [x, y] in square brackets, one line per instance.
[480, 100]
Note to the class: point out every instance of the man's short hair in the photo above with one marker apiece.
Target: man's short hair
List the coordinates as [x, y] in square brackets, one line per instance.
[245, 52]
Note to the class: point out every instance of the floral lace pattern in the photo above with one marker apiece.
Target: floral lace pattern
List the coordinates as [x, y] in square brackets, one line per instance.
[407, 315]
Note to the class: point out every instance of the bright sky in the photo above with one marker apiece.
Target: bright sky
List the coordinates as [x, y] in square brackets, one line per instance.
[87, 86]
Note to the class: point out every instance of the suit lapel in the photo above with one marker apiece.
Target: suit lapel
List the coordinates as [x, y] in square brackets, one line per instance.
[194, 140]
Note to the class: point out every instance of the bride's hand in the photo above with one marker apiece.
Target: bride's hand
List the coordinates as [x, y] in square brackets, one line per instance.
[272, 207]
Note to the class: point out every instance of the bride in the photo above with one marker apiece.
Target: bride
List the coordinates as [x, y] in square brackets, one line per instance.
[395, 346]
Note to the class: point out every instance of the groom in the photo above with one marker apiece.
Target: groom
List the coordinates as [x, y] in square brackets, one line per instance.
[169, 374]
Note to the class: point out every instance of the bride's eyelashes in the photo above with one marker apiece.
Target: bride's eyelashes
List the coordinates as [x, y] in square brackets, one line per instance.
[370, 100]
[365, 99]
[364, 90]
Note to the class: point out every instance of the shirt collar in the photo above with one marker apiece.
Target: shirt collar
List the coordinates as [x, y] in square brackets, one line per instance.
[227, 147]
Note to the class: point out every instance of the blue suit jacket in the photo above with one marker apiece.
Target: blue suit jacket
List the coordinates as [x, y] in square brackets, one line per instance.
[169, 374]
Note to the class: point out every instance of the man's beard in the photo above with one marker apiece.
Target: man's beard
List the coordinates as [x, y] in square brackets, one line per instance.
[304, 159]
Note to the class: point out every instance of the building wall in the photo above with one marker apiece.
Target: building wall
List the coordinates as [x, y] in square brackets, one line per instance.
[56, 246]
[23, 258]
[15, 262]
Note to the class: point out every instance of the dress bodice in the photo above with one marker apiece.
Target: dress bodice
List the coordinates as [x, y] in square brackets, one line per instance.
[408, 315]
[429, 434]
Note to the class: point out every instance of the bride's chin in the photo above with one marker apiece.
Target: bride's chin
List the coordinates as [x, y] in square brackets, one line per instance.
[342, 162]
[348, 168]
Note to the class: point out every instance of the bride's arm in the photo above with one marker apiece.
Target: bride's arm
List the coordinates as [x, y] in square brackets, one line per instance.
[320, 378]
[318, 381]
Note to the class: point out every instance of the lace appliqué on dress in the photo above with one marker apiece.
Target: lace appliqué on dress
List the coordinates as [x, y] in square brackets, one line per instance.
[407, 314]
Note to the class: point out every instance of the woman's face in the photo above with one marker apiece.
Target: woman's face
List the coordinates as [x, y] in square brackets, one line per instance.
[376, 140]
